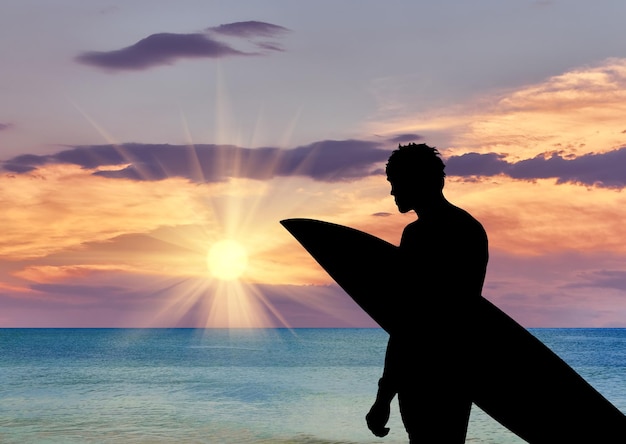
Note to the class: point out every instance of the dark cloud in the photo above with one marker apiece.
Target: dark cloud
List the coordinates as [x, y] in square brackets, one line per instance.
[18, 168]
[329, 160]
[601, 169]
[405, 138]
[593, 169]
[333, 160]
[158, 49]
[166, 48]
[474, 164]
[24, 163]
[5, 126]
[269, 46]
[249, 29]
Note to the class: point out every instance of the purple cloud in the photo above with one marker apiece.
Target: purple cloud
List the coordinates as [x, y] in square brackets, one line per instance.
[601, 169]
[5, 126]
[328, 161]
[249, 29]
[269, 46]
[593, 169]
[474, 164]
[167, 48]
[158, 49]
[24, 163]
[405, 138]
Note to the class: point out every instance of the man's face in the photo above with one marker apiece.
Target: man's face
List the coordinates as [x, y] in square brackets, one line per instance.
[404, 194]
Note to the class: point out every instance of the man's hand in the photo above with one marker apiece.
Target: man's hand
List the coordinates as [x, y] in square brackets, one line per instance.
[377, 418]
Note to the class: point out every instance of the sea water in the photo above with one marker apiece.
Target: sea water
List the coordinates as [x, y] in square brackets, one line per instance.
[231, 386]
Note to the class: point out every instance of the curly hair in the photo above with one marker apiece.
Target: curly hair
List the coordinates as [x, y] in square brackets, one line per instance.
[416, 162]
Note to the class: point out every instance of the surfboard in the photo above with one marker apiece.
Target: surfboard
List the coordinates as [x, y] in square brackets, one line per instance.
[519, 381]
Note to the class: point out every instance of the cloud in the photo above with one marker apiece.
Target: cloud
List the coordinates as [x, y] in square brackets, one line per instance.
[65, 206]
[5, 126]
[158, 49]
[570, 112]
[166, 48]
[249, 29]
[604, 169]
[328, 160]
[592, 169]
[24, 163]
[404, 138]
[270, 46]
[475, 164]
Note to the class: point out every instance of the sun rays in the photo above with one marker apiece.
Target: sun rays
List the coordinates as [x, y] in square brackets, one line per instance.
[208, 272]
[186, 235]
[225, 294]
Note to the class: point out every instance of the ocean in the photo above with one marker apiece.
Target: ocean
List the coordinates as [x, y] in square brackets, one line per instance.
[262, 386]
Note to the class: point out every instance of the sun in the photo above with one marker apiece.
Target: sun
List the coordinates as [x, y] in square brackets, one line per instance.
[227, 259]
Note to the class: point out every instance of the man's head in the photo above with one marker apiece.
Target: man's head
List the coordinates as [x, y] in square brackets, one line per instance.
[416, 173]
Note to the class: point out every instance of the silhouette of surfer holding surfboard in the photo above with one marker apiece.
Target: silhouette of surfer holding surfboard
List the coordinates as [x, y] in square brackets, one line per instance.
[444, 260]
[448, 345]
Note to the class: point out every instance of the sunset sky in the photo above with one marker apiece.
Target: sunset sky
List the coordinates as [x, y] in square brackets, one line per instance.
[137, 136]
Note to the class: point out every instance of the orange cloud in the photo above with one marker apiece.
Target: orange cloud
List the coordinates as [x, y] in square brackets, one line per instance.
[541, 217]
[577, 112]
[9, 288]
[63, 207]
[557, 249]
[574, 113]
[65, 224]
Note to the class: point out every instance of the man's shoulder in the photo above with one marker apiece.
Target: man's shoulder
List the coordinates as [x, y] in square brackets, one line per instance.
[412, 227]
[461, 216]
[458, 223]
[453, 220]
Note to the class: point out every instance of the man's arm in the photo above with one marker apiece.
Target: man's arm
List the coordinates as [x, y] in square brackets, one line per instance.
[387, 388]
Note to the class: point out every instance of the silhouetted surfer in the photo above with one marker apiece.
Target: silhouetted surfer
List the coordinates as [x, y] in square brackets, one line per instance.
[428, 363]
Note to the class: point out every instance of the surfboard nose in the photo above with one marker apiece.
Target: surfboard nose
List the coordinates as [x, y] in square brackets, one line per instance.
[287, 223]
[296, 226]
